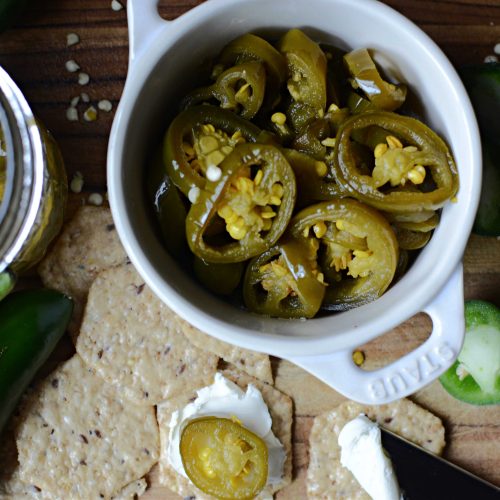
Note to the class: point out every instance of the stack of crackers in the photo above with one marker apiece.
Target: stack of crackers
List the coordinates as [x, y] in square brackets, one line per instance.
[97, 425]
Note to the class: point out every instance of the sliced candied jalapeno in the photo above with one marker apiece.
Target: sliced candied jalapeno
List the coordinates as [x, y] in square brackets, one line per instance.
[285, 281]
[250, 47]
[241, 88]
[412, 155]
[197, 142]
[254, 198]
[169, 207]
[224, 459]
[221, 279]
[365, 77]
[358, 251]
[314, 180]
[358, 104]
[413, 230]
[306, 68]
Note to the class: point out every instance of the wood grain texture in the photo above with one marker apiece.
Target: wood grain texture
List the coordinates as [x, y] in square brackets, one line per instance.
[34, 53]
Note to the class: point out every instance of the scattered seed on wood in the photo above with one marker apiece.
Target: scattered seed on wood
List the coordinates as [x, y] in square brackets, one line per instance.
[72, 39]
[497, 49]
[76, 184]
[96, 199]
[105, 105]
[72, 114]
[116, 5]
[74, 102]
[83, 78]
[72, 66]
[85, 97]
[491, 58]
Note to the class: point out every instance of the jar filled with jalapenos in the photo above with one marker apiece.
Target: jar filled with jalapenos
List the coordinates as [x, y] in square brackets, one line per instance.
[293, 180]
[33, 186]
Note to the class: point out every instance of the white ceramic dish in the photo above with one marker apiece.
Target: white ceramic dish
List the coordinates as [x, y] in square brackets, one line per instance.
[162, 57]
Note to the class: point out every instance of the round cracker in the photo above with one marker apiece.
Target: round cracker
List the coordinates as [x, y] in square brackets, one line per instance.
[281, 410]
[327, 478]
[135, 341]
[82, 438]
[256, 364]
[87, 245]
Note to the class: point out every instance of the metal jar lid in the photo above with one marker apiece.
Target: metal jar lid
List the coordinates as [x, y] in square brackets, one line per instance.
[24, 171]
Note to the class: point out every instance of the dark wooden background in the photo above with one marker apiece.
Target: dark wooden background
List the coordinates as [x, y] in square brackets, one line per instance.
[34, 53]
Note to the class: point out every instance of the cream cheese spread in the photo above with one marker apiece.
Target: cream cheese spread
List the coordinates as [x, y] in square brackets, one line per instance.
[226, 400]
[363, 455]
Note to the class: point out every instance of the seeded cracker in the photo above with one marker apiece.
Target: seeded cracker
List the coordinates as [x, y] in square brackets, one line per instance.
[11, 486]
[254, 363]
[81, 439]
[88, 244]
[133, 340]
[280, 408]
[132, 490]
[327, 478]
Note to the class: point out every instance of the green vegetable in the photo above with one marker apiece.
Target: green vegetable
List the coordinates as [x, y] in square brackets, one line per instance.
[365, 75]
[483, 85]
[7, 281]
[283, 282]
[221, 279]
[31, 324]
[254, 198]
[307, 68]
[475, 377]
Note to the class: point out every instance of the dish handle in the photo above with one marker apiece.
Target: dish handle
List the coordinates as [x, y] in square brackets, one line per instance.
[409, 373]
[144, 22]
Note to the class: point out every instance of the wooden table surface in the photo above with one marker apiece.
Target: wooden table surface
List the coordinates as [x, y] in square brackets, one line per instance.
[34, 53]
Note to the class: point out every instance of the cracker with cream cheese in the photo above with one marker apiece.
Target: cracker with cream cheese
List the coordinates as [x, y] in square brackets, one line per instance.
[134, 341]
[280, 408]
[87, 245]
[81, 438]
[327, 478]
[254, 363]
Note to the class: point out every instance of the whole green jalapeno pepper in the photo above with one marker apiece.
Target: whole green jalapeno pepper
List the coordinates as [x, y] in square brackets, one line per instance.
[31, 324]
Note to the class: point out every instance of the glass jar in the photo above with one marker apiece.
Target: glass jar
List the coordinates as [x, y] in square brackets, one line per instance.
[33, 184]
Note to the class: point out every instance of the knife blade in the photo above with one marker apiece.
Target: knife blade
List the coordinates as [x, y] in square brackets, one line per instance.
[423, 475]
